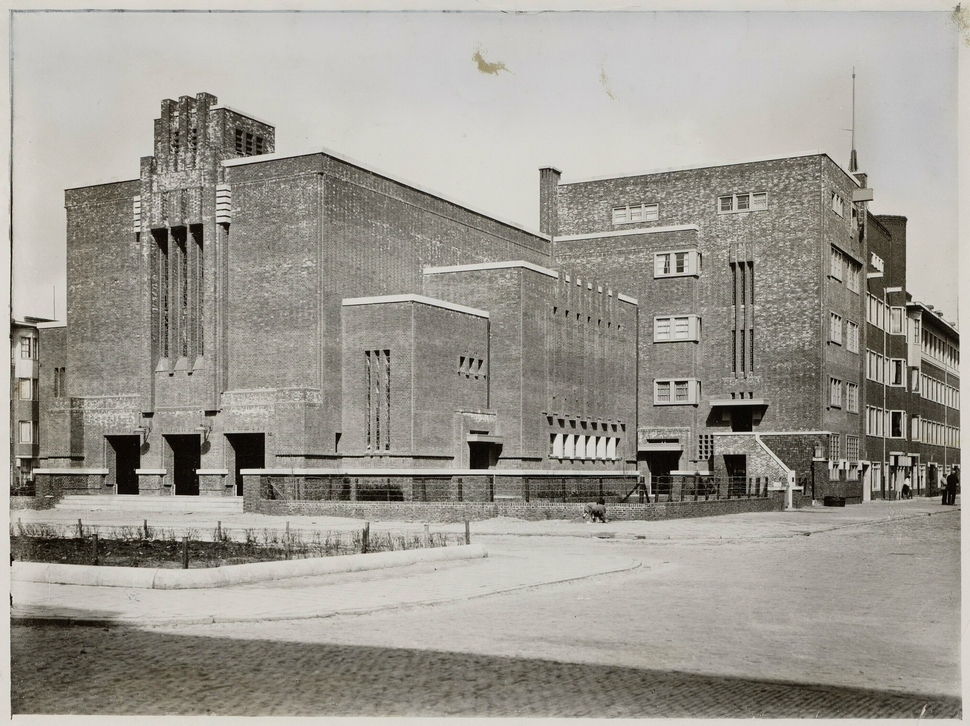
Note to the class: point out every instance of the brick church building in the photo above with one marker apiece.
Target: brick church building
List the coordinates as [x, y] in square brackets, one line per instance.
[233, 309]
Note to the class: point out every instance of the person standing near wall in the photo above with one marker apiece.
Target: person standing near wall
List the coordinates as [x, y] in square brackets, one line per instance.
[950, 495]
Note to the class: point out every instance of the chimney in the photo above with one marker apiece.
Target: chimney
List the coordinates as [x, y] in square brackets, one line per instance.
[548, 200]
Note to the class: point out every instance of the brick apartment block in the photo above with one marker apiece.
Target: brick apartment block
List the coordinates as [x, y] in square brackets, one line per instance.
[234, 309]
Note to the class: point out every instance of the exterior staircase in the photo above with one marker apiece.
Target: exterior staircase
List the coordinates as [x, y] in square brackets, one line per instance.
[135, 503]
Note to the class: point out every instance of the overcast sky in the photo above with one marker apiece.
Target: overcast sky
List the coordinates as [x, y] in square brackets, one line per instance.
[592, 94]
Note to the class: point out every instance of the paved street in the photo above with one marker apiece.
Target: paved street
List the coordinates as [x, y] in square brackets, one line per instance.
[859, 618]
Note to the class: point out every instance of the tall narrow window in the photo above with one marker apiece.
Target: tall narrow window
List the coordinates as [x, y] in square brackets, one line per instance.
[182, 292]
[27, 389]
[377, 373]
[743, 347]
[161, 302]
[835, 328]
[197, 285]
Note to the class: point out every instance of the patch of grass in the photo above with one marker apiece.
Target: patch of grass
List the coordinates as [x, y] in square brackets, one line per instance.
[128, 547]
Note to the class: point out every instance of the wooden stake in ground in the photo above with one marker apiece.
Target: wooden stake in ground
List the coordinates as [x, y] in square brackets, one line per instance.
[426, 538]
[468, 533]
[94, 549]
[80, 530]
[185, 553]
[146, 528]
[365, 538]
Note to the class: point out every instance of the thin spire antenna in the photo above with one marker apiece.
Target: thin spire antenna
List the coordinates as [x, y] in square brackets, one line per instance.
[853, 160]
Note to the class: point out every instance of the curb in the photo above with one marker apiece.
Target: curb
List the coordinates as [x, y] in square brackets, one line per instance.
[68, 621]
[172, 579]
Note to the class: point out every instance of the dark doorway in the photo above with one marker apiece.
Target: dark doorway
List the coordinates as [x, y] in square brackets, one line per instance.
[124, 457]
[737, 473]
[742, 419]
[660, 464]
[482, 454]
[249, 452]
[187, 457]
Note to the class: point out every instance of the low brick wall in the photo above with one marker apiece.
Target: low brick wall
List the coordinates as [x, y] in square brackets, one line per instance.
[50, 488]
[23, 503]
[532, 511]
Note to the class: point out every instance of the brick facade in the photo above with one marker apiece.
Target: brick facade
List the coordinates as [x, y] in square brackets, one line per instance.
[236, 310]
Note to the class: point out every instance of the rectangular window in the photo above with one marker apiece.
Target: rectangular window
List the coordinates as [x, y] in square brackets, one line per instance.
[28, 347]
[636, 213]
[557, 445]
[852, 397]
[838, 205]
[28, 389]
[897, 375]
[240, 146]
[681, 327]
[853, 275]
[897, 321]
[835, 447]
[835, 263]
[876, 367]
[915, 428]
[897, 424]
[748, 201]
[705, 446]
[852, 448]
[874, 420]
[835, 328]
[27, 429]
[676, 392]
[835, 392]
[851, 336]
[669, 264]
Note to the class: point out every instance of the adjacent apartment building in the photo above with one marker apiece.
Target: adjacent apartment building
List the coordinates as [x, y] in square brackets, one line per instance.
[758, 346]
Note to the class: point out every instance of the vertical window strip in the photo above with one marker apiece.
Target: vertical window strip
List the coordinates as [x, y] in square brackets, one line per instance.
[387, 399]
[369, 409]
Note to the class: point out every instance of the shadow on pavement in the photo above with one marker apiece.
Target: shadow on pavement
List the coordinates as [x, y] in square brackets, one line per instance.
[124, 670]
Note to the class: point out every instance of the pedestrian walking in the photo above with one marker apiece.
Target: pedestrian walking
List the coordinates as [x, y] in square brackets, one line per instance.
[907, 491]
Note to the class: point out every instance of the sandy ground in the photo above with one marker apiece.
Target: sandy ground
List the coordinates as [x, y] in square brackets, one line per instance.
[853, 621]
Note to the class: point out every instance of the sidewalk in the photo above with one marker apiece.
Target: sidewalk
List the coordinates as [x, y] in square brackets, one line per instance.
[521, 554]
[506, 568]
[757, 525]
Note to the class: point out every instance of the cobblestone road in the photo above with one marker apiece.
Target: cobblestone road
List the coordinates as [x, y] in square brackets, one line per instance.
[858, 622]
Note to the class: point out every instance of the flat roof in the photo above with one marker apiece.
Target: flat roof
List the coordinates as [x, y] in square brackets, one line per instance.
[241, 161]
[507, 264]
[930, 311]
[625, 232]
[236, 111]
[693, 167]
[382, 299]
